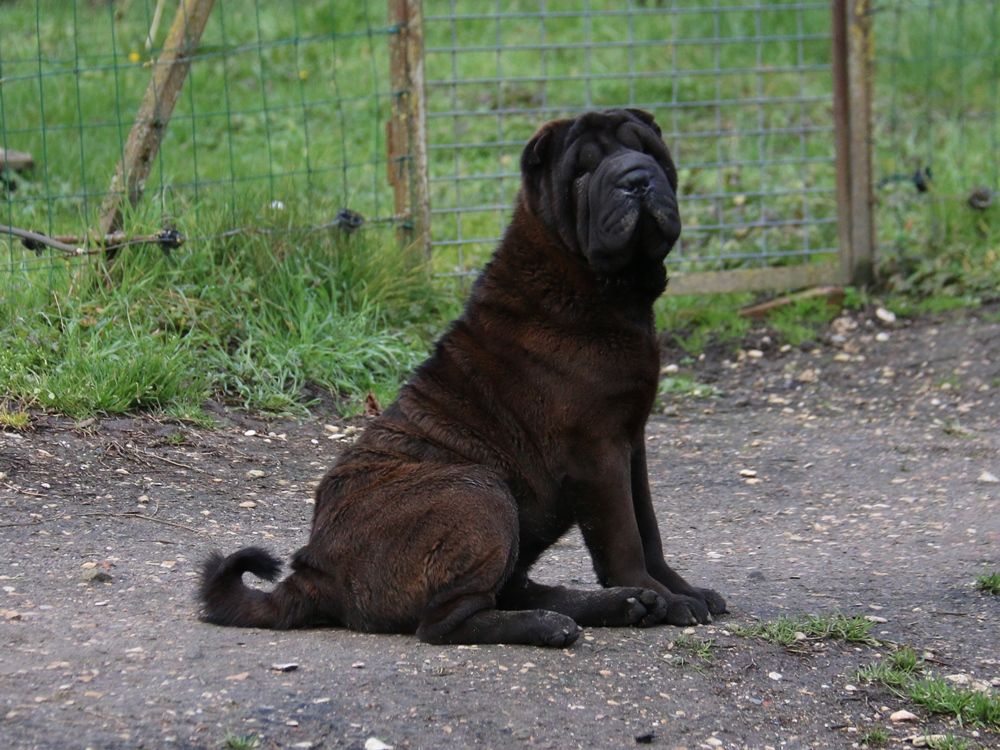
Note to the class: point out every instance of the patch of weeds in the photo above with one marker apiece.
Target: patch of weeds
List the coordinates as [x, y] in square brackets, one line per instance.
[257, 322]
[894, 671]
[802, 321]
[989, 583]
[967, 706]
[902, 672]
[685, 386]
[875, 737]
[241, 742]
[953, 428]
[176, 438]
[695, 322]
[907, 306]
[698, 647]
[688, 651]
[790, 631]
[947, 742]
[14, 420]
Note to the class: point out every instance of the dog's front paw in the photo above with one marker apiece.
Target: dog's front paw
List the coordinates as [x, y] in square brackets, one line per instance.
[686, 610]
[644, 608]
[713, 600]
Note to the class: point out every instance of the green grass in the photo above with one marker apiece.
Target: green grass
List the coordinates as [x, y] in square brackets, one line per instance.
[895, 671]
[699, 648]
[684, 386]
[792, 631]
[802, 321]
[14, 420]
[282, 123]
[903, 672]
[875, 737]
[255, 321]
[989, 583]
[241, 742]
[695, 322]
[949, 742]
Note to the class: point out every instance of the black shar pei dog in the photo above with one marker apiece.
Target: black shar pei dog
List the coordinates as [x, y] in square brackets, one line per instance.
[529, 417]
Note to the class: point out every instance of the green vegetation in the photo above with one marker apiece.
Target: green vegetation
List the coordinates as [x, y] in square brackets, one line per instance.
[903, 672]
[699, 648]
[14, 420]
[792, 631]
[948, 742]
[875, 737]
[684, 386]
[281, 124]
[989, 582]
[894, 671]
[254, 320]
[694, 322]
[241, 742]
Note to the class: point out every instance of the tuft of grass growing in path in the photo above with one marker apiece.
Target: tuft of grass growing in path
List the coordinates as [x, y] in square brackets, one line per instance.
[241, 742]
[684, 386]
[989, 583]
[14, 420]
[790, 631]
[894, 671]
[947, 742]
[903, 673]
[875, 737]
[701, 648]
[967, 706]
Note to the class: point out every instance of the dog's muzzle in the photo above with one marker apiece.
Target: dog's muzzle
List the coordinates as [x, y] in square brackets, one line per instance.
[632, 209]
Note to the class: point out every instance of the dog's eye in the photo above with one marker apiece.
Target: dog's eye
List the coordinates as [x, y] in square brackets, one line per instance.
[590, 157]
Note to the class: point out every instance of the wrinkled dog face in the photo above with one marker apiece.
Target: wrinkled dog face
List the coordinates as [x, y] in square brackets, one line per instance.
[609, 176]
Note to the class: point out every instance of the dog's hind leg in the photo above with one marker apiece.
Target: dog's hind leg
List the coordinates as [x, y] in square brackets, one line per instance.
[473, 619]
[469, 570]
[610, 607]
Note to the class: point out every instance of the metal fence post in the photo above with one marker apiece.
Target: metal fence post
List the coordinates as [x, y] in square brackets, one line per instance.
[852, 98]
[151, 121]
[407, 126]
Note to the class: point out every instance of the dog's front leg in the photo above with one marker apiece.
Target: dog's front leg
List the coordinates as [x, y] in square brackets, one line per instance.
[652, 546]
[601, 493]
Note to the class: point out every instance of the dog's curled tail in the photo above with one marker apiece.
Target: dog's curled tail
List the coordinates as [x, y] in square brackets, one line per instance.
[226, 600]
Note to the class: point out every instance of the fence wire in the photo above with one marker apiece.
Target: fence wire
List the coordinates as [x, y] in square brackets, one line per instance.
[937, 133]
[742, 91]
[280, 122]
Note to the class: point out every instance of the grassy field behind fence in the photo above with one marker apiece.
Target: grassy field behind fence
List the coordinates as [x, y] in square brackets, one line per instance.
[282, 124]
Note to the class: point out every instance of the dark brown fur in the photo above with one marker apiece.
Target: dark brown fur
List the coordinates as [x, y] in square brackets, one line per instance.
[528, 418]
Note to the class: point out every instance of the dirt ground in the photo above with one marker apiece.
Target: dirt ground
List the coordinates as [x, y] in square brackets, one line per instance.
[876, 456]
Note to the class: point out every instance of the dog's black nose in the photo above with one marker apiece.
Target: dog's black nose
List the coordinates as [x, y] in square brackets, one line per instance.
[636, 181]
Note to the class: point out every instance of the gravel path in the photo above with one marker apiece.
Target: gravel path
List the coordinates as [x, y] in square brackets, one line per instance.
[859, 477]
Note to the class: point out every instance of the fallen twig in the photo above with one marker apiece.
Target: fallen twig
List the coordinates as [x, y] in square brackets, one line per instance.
[30, 493]
[143, 516]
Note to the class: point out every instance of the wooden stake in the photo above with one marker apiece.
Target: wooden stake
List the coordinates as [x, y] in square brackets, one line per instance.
[406, 131]
[157, 106]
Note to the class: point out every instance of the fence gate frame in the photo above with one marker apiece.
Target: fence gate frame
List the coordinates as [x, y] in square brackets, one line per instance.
[853, 55]
[851, 61]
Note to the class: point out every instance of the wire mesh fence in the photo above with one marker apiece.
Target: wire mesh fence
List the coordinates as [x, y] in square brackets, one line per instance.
[742, 91]
[937, 133]
[281, 120]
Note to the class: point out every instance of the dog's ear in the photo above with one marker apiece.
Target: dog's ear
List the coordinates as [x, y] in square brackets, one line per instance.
[536, 153]
[647, 118]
